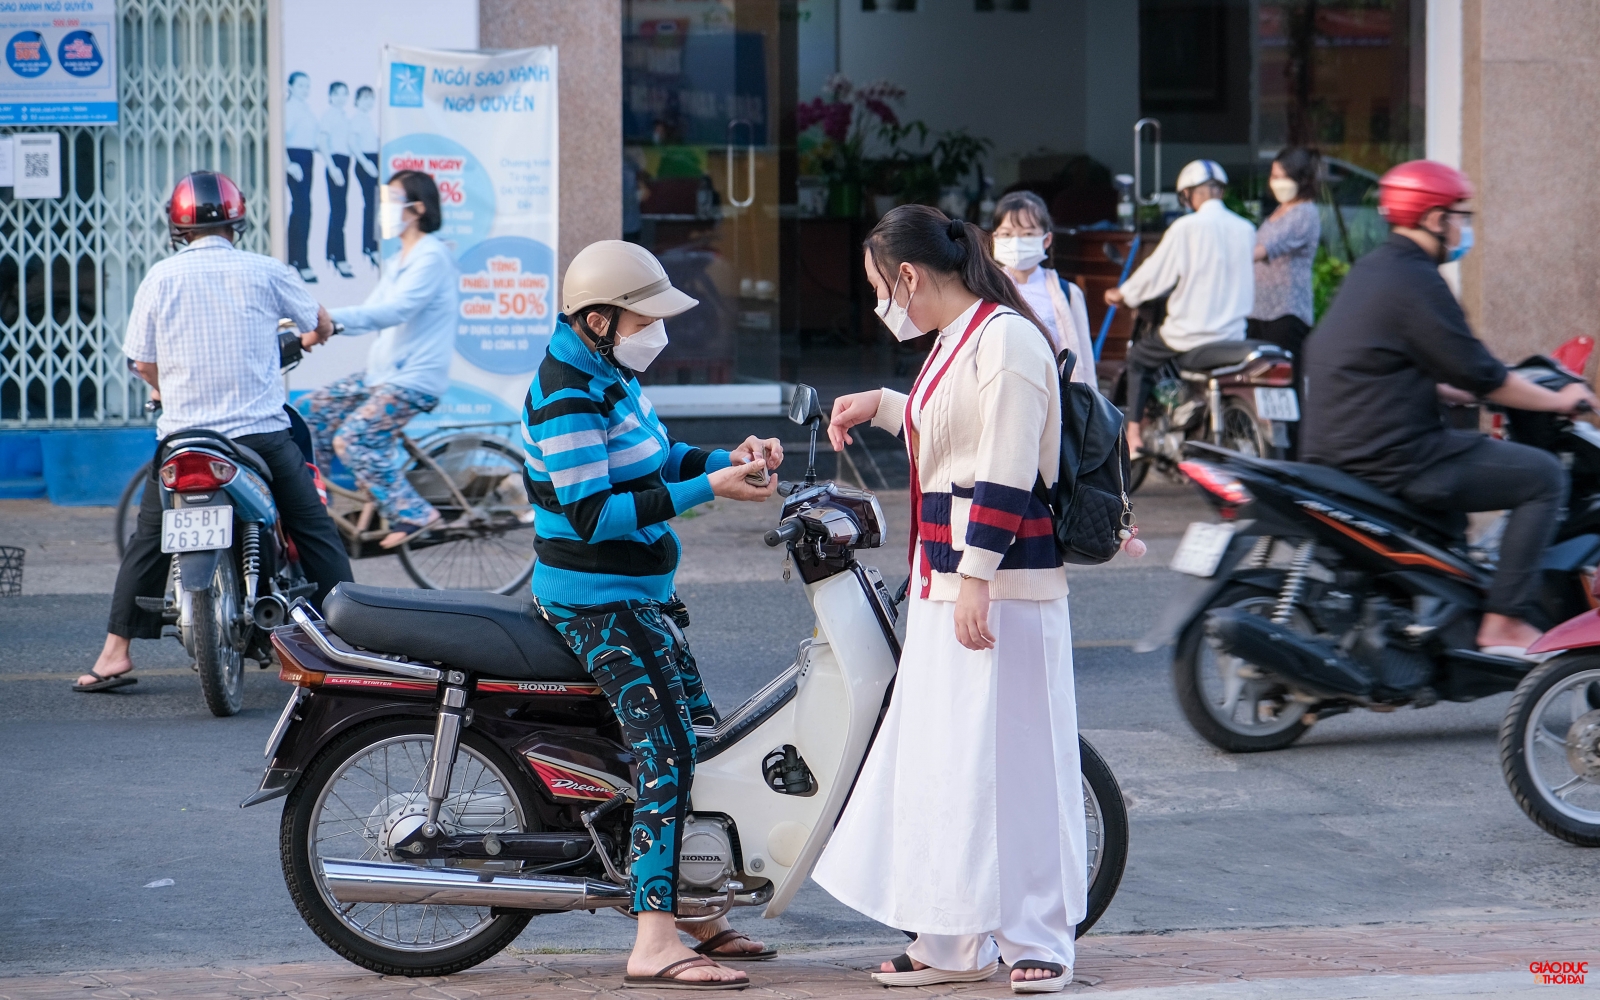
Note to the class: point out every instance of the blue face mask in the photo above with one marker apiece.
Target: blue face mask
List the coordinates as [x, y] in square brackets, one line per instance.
[1459, 251]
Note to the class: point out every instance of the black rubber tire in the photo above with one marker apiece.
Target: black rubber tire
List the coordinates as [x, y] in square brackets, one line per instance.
[1513, 759]
[1114, 845]
[294, 851]
[128, 508]
[1138, 472]
[1186, 683]
[1239, 415]
[221, 674]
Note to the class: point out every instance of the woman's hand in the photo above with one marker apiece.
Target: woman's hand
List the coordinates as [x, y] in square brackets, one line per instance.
[856, 408]
[1113, 296]
[730, 485]
[972, 614]
[1260, 253]
[754, 448]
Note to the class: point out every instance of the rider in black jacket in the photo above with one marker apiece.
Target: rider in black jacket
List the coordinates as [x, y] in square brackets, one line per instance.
[1392, 345]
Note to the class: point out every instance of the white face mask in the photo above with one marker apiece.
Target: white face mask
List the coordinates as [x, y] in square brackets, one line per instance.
[642, 348]
[895, 317]
[1283, 189]
[391, 219]
[1020, 253]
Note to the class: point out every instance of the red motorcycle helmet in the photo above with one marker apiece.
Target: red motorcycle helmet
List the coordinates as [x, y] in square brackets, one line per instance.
[204, 199]
[1411, 189]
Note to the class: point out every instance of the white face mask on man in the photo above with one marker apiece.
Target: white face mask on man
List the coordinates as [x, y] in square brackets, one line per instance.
[1020, 253]
[895, 317]
[637, 351]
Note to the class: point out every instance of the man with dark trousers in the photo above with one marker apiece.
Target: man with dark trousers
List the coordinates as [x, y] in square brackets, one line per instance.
[204, 333]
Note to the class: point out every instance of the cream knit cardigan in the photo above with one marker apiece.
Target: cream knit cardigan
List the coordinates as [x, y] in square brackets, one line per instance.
[987, 429]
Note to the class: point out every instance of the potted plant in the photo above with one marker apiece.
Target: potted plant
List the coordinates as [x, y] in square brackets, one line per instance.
[835, 129]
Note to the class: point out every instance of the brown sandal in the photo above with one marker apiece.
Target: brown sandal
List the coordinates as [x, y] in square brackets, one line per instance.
[667, 978]
[709, 948]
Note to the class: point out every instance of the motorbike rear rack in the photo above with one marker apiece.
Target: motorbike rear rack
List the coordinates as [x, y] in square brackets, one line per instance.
[335, 649]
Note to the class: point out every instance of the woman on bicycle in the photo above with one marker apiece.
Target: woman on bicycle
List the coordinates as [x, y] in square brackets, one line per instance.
[605, 477]
[966, 825]
[359, 417]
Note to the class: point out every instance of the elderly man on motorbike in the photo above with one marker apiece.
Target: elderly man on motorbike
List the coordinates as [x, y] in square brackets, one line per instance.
[1391, 346]
[204, 333]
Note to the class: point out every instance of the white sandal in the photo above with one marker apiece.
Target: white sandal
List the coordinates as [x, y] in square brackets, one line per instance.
[1055, 984]
[907, 974]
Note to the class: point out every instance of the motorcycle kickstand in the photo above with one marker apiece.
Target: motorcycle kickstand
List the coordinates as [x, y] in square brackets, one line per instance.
[446, 738]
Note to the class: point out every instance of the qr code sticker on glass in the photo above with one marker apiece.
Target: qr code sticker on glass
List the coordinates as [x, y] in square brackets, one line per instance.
[36, 164]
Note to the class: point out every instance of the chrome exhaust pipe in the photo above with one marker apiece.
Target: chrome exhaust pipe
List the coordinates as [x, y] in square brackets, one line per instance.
[380, 882]
[269, 612]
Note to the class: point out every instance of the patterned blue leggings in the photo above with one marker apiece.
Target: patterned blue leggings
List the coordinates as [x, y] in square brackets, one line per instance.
[642, 662]
[361, 426]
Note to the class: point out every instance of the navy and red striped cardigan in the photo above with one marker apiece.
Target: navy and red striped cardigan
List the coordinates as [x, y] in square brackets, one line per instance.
[990, 421]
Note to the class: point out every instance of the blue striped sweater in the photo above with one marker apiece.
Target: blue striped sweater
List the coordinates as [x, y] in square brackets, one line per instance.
[604, 477]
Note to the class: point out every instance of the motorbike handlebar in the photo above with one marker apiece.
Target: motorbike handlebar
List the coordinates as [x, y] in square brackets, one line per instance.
[788, 531]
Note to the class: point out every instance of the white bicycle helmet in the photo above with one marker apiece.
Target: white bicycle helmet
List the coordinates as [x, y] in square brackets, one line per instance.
[1198, 172]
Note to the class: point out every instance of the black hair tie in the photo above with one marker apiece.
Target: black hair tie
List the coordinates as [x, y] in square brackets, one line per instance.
[957, 230]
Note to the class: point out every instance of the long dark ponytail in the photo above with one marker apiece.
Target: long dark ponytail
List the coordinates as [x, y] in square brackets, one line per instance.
[918, 234]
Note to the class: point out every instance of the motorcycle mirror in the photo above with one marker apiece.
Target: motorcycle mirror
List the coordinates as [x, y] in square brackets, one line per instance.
[804, 406]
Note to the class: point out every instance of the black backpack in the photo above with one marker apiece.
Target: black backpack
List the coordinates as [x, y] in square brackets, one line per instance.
[1089, 504]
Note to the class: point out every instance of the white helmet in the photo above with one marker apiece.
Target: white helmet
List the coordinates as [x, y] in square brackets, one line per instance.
[617, 273]
[1198, 172]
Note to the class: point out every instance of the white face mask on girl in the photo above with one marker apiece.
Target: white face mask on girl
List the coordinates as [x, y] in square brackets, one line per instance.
[1283, 189]
[643, 347]
[1020, 253]
[391, 219]
[895, 317]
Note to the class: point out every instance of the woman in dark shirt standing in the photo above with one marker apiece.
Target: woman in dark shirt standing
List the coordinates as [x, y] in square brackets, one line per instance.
[1286, 245]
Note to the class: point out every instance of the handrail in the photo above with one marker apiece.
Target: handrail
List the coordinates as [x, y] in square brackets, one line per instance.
[1138, 163]
[351, 658]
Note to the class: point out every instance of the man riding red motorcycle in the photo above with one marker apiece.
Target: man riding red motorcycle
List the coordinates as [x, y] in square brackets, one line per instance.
[1394, 343]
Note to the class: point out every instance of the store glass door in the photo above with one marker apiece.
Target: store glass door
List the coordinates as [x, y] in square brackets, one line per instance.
[702, 157]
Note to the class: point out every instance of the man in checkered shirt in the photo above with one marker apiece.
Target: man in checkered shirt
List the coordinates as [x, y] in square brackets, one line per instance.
[204, 333]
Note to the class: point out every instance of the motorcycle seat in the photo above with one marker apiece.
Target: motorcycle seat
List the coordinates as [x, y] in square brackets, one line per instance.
[1331, 480]
[1225, 353]
[466, 629]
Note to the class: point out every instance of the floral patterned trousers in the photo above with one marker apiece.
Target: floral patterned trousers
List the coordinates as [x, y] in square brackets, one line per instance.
[360, 424]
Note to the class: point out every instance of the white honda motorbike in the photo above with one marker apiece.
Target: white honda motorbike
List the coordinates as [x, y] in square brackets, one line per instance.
[451, 770]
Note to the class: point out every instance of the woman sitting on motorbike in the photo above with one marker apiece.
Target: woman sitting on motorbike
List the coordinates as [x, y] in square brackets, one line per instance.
[605, 477]
[360, 416]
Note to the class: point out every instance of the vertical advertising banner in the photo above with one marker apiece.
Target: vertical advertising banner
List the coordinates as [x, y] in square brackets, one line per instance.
[60, 62]
[485, 126]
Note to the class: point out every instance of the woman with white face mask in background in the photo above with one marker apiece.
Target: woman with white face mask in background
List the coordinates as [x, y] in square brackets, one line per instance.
[359, 417]
[1023, 232]
[1286, 246]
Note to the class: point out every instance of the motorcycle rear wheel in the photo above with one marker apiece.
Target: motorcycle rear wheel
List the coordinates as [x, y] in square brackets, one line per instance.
[392, 756]
[1219, 723]
[1241, 429]
[1107, 826]
[219, 660]
[1550, 748]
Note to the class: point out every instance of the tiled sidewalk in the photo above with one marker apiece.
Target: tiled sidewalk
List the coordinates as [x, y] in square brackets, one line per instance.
[1249, 961]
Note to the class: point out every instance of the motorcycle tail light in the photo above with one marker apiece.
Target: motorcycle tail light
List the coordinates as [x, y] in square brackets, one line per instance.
[292, 670]
[1217, 482]
[1279, 373]
[196, 472]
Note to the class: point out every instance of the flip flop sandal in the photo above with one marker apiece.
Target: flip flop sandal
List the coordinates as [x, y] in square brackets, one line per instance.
[667, 978]
[907, 974]
[107, 683]
[411, 531]
[1055, 984]
[710, 946]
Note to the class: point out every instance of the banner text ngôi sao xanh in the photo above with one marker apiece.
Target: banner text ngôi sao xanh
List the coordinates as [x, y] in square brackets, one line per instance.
[461, 77]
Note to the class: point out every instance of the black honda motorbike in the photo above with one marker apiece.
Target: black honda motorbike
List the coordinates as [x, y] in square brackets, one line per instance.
[1319, 593]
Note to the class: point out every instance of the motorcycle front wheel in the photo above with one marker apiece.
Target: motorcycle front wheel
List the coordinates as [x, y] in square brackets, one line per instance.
[1106, 822]
[219, 659]
[1232, 704]
[351, 795]
[1550, 748]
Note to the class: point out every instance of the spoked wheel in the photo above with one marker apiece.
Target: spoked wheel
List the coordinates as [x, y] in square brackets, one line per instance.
[347, 807]
[1235, 705]
[488, 545]
[128, 508]
[1106, 821]
[1550, 748]
[1241, 431]
[213, 639]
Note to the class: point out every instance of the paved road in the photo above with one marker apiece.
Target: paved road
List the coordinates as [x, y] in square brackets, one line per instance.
[1370, 818]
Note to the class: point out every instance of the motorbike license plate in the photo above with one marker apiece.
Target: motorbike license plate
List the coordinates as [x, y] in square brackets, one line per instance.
[1277, 404]
[1202, 548]
[196, 529]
